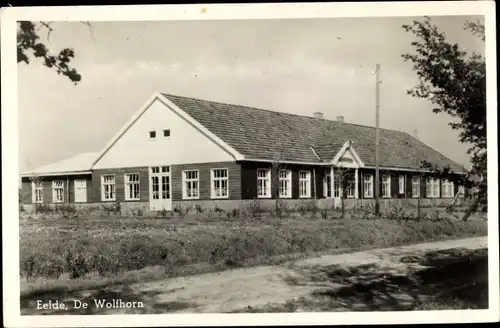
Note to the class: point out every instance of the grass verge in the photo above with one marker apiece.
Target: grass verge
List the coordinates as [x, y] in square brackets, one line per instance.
[87, 253]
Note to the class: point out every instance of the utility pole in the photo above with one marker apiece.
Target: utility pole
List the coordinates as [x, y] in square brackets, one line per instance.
[377, 140]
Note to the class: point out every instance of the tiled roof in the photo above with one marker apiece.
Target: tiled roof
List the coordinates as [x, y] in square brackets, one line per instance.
[269, 135]
[79, 163]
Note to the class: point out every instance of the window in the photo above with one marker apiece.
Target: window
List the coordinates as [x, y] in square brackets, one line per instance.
[350, 187]
[80, 191]
[415, 187]
[368, 185]
[305, 184]
[447, 189]
[336, 187]
[386, 186]
[132, 190]
[264, 183]
[166, 133]
[152, 134]
[327, 187]
[285, 184]
[37, 191]
[402, 184]
[191, 184]
[57, 191]
[108, 187]
[432, 188]
[220, 179]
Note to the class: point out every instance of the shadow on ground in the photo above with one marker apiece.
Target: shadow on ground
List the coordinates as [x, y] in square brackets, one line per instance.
[437, 280]
[149, 302]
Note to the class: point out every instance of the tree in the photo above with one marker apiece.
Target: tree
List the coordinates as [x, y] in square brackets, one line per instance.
[455, 83]
[28, 41]
[344, 178]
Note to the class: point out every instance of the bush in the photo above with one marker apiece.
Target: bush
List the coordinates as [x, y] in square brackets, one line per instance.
[254, 208]
[110, 246]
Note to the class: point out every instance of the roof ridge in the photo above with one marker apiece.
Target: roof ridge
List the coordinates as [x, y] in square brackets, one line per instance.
[276, 112]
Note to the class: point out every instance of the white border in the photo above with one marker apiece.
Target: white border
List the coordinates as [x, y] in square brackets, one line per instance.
[9, 16]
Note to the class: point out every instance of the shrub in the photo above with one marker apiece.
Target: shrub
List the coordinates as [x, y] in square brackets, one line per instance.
[281, 209]
[179, 210]
[199, 209]
[114, 245]
[255, 208]
[219, 211]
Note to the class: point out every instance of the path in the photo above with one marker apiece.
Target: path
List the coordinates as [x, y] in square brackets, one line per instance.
[257, 287]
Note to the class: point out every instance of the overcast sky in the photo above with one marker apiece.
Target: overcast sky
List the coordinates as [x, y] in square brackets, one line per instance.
[295, 66]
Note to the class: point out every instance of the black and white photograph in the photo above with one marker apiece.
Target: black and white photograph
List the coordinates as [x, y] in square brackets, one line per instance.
[331, 160]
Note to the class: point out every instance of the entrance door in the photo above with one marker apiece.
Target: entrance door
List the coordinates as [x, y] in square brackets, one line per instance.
[80, 191]
[159, 188]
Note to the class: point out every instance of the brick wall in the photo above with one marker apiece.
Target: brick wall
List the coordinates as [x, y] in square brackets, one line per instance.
[69, 188]
[204, 171]
[249, 179]
[119, 173]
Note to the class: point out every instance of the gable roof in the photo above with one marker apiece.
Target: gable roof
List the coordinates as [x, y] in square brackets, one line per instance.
[262, 134]
[81, 163]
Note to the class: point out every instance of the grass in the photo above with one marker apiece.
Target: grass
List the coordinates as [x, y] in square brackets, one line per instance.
[89, 252]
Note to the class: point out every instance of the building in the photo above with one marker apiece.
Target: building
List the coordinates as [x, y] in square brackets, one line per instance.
[178, 150]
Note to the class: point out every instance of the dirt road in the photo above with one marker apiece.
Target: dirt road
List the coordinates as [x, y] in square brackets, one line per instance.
[336, 276]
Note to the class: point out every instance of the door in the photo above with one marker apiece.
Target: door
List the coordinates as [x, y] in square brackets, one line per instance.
[80, 191]
[159, 188]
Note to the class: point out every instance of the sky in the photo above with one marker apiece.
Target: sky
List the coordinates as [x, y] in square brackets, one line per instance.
[296, 66]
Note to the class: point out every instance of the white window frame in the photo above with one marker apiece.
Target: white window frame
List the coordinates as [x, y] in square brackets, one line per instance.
[432, 185]
[402, 186]
[448, 189]
[37, 192]
[218, 193]
[368, 192]
[285, 183]
[336, 187]
[386, 185]
[188, 182]
[415, 187]
[57, 185]
[265, 179]
[304, 184]
[112, 187]
[129, 185]
[350, 188]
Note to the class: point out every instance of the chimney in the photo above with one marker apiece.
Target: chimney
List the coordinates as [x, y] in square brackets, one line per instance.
[340, 119]
[318, 115]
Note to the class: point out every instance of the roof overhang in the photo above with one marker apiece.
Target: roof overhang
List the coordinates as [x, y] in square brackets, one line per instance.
[270, 161]
[393, 168]
[47, 174]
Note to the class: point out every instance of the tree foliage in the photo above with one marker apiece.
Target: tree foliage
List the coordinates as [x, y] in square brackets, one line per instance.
[455, 83]
[29, 43]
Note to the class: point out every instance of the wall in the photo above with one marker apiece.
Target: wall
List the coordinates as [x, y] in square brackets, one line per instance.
[249, 179]
[185, 145]
[204, 169]
[234, 174]
[120, 183]
[69, 194]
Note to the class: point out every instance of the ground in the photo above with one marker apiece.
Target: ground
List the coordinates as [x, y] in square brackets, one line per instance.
[403, 278]
[408, 277]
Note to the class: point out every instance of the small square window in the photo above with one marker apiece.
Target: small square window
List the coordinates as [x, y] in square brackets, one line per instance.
[166, 133]
[152, 134]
